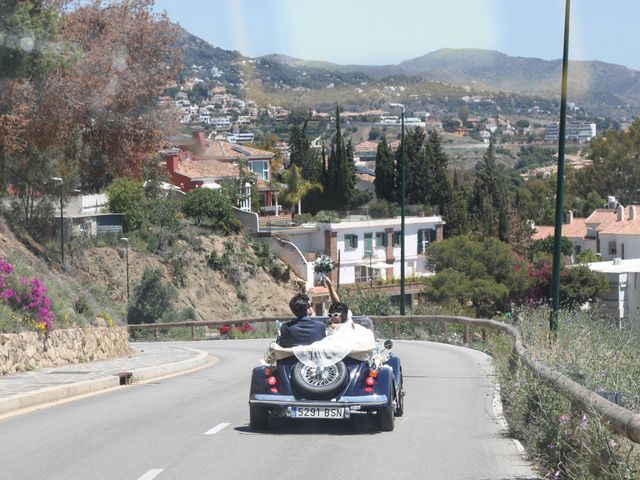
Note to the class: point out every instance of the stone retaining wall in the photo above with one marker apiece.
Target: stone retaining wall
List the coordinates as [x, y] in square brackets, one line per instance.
[21, 352]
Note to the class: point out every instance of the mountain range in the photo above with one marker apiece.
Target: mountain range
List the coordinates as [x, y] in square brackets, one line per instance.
[592, 83]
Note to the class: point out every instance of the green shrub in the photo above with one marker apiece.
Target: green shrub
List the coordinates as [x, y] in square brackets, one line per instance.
[10, 321]
[128, 197]
[212, 206]
[383, 209]
[152, 299]
[217, 262]
[82, 306]
[178, 267]
[368, 302]
[280, 271]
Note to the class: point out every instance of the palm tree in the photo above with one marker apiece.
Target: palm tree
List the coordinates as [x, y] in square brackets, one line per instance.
[298, 187]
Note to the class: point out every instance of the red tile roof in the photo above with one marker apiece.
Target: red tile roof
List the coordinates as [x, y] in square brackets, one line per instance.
[365, 177]
[207, 169]
[605, 221]
[602, 216]
[543, 231]
[366, 146]
[576, 229]
[219, 150]
[625, 227]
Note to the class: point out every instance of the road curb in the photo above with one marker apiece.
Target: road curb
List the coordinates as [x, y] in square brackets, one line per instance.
[58, 392]
[61, 392]
[149, 373]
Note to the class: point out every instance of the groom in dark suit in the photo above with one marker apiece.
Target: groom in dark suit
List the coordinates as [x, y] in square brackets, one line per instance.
[301, 330]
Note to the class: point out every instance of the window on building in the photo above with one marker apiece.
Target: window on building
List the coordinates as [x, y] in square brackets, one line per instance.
[260, 168]
[425, 237]
[381, 239]
[396, 239]
[612, 247]
[350, 241]
[364, 274]
[368, 244]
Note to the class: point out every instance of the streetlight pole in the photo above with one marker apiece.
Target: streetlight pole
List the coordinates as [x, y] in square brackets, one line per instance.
[59, 179]
[557, 236]
[126, 255]
[402, 202]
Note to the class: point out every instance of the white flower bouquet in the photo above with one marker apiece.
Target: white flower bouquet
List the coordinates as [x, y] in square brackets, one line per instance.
[323, 265]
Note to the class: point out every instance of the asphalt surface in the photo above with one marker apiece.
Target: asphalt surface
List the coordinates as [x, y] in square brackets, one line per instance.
[147, 361]
[195, 426]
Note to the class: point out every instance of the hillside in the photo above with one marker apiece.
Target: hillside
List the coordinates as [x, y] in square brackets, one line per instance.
[95, 279]
[531, 76]
[597, 85]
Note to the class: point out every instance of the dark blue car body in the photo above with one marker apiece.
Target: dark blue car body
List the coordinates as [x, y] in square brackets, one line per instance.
[284, 397]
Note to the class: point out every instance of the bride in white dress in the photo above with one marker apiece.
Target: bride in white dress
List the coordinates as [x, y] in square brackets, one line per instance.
[344, 336]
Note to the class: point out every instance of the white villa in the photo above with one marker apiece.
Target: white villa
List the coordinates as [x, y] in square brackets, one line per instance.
[364, 250]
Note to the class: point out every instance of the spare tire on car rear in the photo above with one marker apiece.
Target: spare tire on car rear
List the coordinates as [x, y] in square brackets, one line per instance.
[319, 383]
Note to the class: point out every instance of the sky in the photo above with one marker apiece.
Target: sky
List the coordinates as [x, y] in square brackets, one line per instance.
[378, 32]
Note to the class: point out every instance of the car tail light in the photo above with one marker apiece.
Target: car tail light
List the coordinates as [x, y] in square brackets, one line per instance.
[368, 389]
[273, 390]
[370, 381]
[268, 371]
[373, 373]
[272, 380]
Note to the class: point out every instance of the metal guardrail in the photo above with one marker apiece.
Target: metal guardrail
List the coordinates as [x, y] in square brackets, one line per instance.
[622, 421]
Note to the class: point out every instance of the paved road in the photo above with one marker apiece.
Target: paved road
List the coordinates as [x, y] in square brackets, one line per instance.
[194, 426]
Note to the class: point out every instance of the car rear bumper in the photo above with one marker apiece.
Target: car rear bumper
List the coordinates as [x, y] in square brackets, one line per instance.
[353, 403]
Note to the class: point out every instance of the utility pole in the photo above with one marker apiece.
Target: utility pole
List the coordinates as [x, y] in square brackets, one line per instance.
[557, 237]
[402, 203]
[59, 179]
[126, 255]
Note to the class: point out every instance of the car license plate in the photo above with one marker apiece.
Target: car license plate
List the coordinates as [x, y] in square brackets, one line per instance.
[317, 412]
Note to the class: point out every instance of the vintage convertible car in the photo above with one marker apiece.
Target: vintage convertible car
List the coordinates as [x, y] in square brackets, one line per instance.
[364, 382]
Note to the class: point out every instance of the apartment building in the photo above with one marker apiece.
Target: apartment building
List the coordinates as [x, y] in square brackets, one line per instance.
[580, 132]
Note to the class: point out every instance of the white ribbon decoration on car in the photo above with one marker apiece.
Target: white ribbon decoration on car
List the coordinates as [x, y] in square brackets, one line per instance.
[338, 344]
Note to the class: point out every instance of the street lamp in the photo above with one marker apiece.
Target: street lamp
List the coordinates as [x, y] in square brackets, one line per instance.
[59, 179]
[557, 236]
[402, 201]
[126, 255]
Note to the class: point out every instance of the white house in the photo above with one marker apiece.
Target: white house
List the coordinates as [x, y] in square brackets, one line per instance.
[366, 250]
[620, 237]
[623, 300]
[612, 232]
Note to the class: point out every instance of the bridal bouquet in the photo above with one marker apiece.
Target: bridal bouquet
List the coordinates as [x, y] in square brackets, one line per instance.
[323, 265]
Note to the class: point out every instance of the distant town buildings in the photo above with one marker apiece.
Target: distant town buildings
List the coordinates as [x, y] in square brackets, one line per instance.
[580, 132]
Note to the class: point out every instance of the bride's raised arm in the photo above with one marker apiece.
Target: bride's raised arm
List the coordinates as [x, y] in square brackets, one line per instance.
[332, 291]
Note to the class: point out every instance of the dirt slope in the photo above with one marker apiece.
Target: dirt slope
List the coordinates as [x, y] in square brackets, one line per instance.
[209, 293]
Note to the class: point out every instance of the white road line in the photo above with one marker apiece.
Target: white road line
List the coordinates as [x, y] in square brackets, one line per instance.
[151, 474]
[216, 429]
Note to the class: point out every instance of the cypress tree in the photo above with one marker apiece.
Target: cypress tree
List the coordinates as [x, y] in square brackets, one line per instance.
[455, 212]
[490, 197]
[385, 181]
[330, 179]
[417, 178]
[439, 179]
[296, 148]
[302, 155]
[350, 178]
[340, 179]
